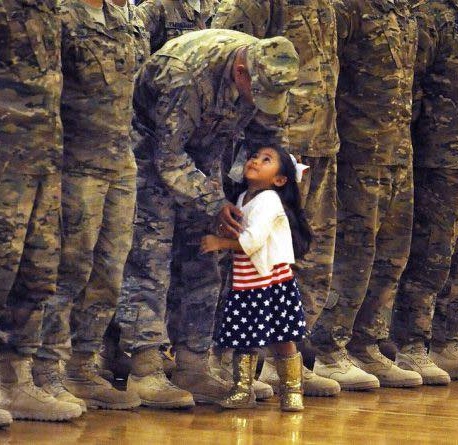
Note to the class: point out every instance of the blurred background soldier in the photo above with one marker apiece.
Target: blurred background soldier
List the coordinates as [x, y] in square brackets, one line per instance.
[191, 99]
[312, 130]
[30, 182]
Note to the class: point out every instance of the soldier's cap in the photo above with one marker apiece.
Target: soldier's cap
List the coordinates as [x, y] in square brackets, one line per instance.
[273, 65]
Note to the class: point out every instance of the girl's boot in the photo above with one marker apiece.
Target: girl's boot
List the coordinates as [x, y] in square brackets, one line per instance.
[289, 371]
[242, 394]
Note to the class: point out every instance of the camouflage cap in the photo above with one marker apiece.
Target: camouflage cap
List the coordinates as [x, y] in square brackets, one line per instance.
[273, 65]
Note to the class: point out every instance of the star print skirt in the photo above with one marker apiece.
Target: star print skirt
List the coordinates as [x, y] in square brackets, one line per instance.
[258, 317]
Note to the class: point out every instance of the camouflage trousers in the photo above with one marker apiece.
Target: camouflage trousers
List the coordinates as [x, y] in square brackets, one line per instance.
[165, 274]
[98, 212]
[422, 289]
[314, 271]
[29, 255]
[374, 226]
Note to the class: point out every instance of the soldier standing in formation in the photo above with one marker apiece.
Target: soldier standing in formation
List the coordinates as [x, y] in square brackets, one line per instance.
[377, 46]
[423, 290]
[98, 200]
[191, 98]
[311, 26]
[30, 199]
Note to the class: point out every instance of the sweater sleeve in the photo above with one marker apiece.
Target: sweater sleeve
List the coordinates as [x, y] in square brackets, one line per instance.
[260, 221]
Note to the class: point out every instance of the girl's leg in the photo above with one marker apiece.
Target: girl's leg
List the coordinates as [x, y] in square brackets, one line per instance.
[289, 368]
[242, 394]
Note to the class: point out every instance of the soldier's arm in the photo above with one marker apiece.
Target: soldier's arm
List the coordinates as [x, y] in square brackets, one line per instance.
[348, 20]
[170, 123]
[428, 40]
[266, 129]
[152, 14]
[248, 16]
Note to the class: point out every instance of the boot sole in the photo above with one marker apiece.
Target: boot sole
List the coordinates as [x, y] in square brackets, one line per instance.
[402, 384]
[250, 405]
[168, 405]
[97, 404]
[322, 393]
[21, 415]
[436, 381]
[361, 386]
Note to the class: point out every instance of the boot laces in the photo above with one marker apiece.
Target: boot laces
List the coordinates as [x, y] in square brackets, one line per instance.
[54, 379]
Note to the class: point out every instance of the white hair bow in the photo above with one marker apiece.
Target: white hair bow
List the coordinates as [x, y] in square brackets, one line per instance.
[300, 168]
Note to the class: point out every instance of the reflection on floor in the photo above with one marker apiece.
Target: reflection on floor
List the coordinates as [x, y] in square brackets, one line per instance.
[426, 415]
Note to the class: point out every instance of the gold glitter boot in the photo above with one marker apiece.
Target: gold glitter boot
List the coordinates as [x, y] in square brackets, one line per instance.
[289, 371]
[242, 394]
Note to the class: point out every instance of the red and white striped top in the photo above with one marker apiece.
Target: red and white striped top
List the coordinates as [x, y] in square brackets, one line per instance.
[245, 276]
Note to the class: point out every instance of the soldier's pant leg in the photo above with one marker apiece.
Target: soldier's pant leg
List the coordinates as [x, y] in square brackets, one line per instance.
[392, 251]
[433, 239]
[36, 202]
[358, 219]
[96, 305]
[141, 312]
[314, 271]
[192, 301]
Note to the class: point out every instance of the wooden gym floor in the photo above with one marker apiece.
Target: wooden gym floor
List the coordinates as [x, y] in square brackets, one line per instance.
[426, 415]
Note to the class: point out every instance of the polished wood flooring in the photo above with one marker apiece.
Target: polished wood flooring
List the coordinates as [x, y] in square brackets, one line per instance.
[426, 415]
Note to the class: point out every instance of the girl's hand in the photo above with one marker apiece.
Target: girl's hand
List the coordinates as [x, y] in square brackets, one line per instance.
[209, 243]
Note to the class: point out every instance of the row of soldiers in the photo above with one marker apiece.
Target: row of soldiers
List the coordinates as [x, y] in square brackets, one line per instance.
[193, 99]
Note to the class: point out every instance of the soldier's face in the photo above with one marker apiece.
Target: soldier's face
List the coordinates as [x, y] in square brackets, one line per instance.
[242, 81]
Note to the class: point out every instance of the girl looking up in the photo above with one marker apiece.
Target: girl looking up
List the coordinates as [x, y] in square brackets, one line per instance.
[264, 305]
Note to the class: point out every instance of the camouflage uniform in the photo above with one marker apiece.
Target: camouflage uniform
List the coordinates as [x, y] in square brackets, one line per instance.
[136, 320]
[30, 167]
[186, 103]
[98, 199]
[377, 46]
[311, 26]
[435, 135]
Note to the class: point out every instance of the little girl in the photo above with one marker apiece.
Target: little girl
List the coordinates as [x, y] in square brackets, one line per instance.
[264, 306]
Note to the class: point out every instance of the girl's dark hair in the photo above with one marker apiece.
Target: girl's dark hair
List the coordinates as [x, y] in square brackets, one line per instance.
[291, 200]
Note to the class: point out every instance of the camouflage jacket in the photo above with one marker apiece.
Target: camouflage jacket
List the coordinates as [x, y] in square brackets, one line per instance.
[311, 26]
[435, 127]
[188, 110]
[166, 19]
[99, 63]
[30, 87]
[377, 47]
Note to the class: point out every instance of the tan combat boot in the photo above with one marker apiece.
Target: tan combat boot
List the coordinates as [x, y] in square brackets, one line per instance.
[5, 416]
[193, 374]
[289, 371]
[337, 366]
[27, 401]
[313, 385]
[414, 357]
[113, 363]
[148, 380]
[84, 382]
[446, 358]
[49, 376]
[262, 390]
[370, 359]
[242, 394]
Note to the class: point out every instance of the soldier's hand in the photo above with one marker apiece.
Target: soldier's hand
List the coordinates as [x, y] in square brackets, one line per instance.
[209, 243]
[228, 219]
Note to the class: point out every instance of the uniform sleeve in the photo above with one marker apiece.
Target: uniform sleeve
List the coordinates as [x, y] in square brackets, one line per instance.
[248, 16]
[152, 14]
[260, 222]
[170, 113]
[348, 19]
[428, 40]
[266, 130]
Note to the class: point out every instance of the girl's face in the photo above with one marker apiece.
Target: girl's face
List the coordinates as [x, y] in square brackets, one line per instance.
[262, 169]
